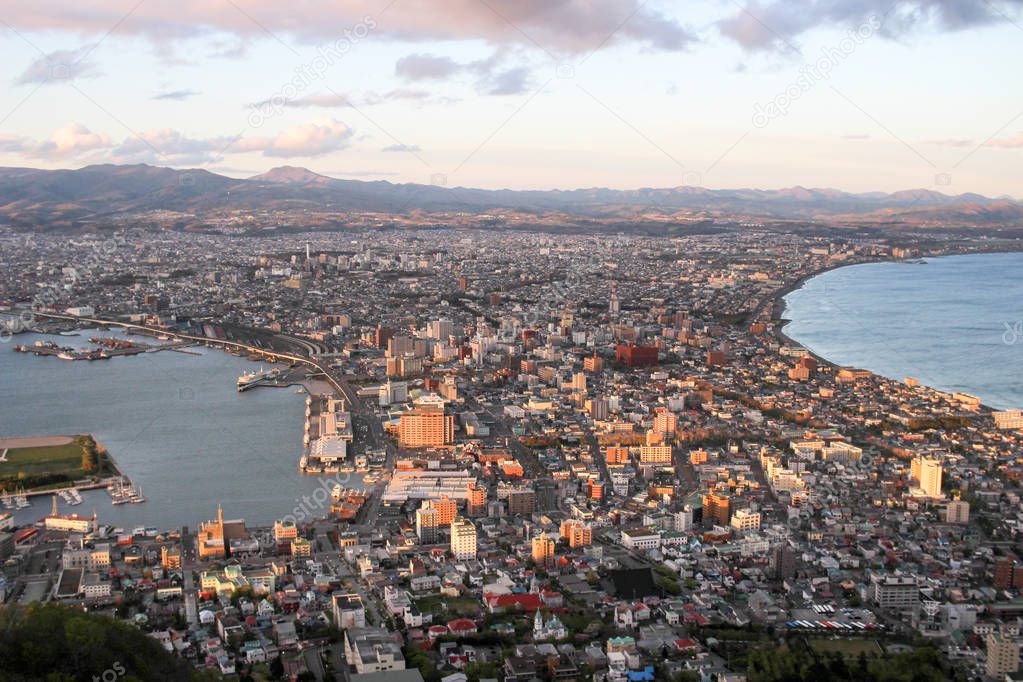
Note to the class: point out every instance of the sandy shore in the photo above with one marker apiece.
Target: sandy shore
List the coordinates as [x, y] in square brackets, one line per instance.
[35, 441]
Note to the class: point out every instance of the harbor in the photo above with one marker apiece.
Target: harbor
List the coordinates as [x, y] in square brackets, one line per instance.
[162, 420]
[105, 348]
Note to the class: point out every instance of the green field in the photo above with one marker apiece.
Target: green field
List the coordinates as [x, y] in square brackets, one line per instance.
[52, 466]
[850, 648]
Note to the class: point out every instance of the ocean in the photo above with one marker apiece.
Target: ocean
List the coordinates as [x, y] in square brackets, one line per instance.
[954, 322]
[174, 423]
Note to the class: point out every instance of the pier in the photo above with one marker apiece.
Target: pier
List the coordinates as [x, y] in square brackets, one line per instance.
[105, 349]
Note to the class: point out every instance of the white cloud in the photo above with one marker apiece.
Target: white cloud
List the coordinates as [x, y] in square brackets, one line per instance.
[65, 142]
[60, 66]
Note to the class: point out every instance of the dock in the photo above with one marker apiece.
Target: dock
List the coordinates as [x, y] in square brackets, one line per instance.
[105, 349]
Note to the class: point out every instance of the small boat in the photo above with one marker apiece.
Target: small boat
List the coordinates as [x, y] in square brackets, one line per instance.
[65, 356]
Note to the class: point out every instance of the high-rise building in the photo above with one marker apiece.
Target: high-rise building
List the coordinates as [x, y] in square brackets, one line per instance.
[476, 502]
[899, 593]
[665, 421]
[925, 474]
[428, 425]
[521, 501]
[463, 538]
[717, 509]
[957, 511]
[1008, 573]
[543, 551]
[426, 524]
[578, 533]
[614, 306]
[1002, 655]
[655, 454]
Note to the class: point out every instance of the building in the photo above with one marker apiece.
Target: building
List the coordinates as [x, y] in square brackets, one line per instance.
[543, 551]
[655, 454]
[521, 501]
[632, 355]
[170, 557]
[898, 593]
[925, 475]
[665, 421]
[957, 511]
[426, 524]
[428, 425]
[1008, 573]
[463, 539]
[745, 521]
[86, 558]
[476, 503]
[373, 650]
[212, 544]
[349, 611]
[72, 523]
[577, 533]
[284, 532]
[1008, 419]
[717, 509]
[301, 548]
[1002, 655]
[447, 510]
[641, 538]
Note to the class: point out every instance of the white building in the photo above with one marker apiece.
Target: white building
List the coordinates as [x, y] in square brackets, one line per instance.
[463, 539]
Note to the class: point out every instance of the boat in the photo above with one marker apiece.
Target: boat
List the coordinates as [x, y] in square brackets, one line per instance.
[65, 356]
[6, 521]
[337, 492]
[303, 462]
[252, 378]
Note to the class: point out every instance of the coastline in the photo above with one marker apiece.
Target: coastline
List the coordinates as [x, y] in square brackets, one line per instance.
[780, 322]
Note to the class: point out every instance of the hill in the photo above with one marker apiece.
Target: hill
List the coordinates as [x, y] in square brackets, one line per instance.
[55, 643]
[72, 198]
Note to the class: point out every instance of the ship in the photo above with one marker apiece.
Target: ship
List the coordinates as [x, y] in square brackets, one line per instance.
[6, 521]
[252, 378]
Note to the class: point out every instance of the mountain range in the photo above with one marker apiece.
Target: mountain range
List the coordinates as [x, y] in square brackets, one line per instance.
[63, 198]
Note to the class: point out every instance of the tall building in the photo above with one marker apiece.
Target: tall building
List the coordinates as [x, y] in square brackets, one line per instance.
[521, 501]
[925, 474]
[1002, 655]
[543, 551]
[476, 502]
[665, 421]
[428, 425]
[717, 509]
[957, 511]
[578, 533]
[614, 306]
[1008, 573]
[212, 544]
[655, 454]
[426, 524]
[463, 539]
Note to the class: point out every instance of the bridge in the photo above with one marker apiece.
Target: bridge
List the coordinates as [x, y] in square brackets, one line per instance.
[339, 384]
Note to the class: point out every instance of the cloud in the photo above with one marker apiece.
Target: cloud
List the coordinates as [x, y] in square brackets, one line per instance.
[1007, 142]
[167, 146]
[66, 142]
[565, 26]
[402, 148]
[310, 139]
[176, 95]
[514, 81]
[951, 142]
[418, 67]
[59, 66]
[775, 24]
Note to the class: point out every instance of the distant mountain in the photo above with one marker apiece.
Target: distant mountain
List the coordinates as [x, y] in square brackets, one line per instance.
[67, 198]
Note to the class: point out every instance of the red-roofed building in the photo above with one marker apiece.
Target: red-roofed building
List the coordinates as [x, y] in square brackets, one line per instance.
[499, 603]
[687, 646]
[462, 627]
[436, 631]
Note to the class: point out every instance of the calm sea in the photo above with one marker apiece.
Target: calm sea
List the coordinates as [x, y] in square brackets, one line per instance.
[175, 424]
[954, 323]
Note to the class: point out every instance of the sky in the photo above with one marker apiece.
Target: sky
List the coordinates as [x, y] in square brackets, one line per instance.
[859, 95]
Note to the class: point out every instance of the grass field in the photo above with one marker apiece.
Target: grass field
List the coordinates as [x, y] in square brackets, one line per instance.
[850, 648]
[45, 466]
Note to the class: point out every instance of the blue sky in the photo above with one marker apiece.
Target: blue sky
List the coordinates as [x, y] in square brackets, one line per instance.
[860, 95]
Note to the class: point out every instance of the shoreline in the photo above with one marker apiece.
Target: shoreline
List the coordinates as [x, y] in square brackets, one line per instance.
[779, 321]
